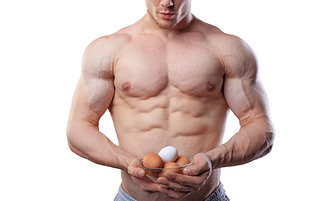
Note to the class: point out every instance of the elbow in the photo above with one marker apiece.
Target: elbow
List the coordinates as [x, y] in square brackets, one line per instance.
[74, 141]
[270, 136]
[71, 138]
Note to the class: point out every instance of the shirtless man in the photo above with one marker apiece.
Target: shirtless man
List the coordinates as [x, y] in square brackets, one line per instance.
[170, 79]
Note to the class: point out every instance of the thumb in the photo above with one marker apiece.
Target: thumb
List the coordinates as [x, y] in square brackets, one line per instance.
[135, 170]
[200, 165]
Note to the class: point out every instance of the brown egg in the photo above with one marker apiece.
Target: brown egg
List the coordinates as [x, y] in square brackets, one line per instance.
[182, 160]
[170, 168]
[152, 160]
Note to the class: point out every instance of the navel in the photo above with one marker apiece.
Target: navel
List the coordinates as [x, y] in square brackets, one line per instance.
[126, 86]
[210, 86]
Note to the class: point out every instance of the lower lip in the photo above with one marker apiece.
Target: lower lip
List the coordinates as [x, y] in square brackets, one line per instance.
[166, 16]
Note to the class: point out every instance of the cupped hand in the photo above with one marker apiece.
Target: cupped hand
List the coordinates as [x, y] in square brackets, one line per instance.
[140, 177]
[194, 177]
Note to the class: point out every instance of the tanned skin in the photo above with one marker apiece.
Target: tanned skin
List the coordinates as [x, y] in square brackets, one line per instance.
[170, 79]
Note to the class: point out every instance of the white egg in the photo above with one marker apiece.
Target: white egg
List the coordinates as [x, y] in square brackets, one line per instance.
[168, 154]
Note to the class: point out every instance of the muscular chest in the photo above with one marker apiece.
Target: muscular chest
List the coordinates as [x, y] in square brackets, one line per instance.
[147, 67]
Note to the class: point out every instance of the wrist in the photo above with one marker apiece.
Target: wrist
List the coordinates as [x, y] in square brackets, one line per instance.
[124, 160]
[217, 156]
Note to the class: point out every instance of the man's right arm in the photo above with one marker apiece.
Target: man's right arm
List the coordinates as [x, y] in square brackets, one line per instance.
[91, 99]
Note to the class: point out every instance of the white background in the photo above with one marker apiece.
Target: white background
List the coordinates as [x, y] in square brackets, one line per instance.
[41, 45]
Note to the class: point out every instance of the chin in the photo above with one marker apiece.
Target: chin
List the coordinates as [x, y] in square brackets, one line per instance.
[166, 26]
[163, 24]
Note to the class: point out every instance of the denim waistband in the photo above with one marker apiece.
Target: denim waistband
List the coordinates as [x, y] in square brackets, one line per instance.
[218, 195]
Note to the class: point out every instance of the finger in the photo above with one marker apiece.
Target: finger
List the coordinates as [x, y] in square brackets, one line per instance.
[193, 182]
[146, 185]
[135, 170]
[176, 185]
[201, 164]
[140, 177]
[197, 169]
[172, 194]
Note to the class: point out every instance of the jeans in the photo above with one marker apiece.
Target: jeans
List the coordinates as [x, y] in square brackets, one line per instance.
[218, 195]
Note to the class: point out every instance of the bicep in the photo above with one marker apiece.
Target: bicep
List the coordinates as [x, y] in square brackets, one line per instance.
[245, 98]
[95, 88]
[243, 92]
[90, 101]
[93, 97]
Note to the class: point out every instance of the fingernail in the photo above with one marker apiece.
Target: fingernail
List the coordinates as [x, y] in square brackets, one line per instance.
[187, 171]
[140, 173]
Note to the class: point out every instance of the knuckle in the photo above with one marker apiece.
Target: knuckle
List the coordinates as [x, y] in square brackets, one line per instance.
[175, 186]
[199, 183]
[132, 171]
[197, 170]
[185, 183]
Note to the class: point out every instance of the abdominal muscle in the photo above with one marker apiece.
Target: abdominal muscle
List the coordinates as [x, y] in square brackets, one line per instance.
[191, 125]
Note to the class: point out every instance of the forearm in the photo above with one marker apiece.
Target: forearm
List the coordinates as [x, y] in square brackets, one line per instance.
[88, 142]
[251, 142]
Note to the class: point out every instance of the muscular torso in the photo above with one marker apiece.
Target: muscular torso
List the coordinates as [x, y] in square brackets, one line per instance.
[168, 91]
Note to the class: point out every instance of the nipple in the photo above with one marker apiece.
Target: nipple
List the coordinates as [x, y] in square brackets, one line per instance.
[210, 86]
[126, 86]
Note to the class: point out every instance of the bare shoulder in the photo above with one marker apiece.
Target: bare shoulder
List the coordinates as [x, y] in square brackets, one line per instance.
[227, 43]
[235, 55]
[109, 44]
[102, 53]
[231, 44]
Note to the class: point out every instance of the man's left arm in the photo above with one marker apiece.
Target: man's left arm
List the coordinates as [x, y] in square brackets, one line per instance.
[247, 100]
